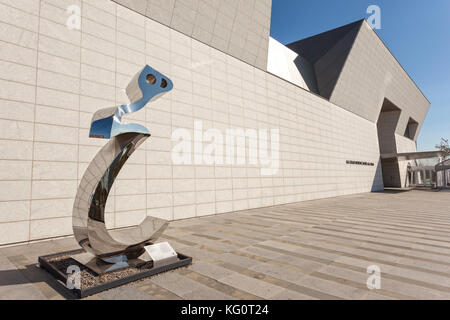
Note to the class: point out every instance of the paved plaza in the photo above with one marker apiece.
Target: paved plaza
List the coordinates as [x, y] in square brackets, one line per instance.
[309, 250]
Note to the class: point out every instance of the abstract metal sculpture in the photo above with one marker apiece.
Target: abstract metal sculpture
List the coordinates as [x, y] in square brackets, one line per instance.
[89, 207]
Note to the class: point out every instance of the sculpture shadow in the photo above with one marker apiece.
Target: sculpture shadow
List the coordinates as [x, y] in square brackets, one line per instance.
[32, 274]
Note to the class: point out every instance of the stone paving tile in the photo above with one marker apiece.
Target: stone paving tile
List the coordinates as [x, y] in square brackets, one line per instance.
[176, 283]
[305, 263]
[291, 295]
[291, 255]
[262, 252]
[254, 286]
[40, 278]
[426, 265]
[334, 288]
[199, 253]
[443, 257]
[207, 294]
[67, 244]
[360, 264]
[14, 285]
[209, 269]
[34, 250]
[269, 279]
[128, 292]
[231, 237]
[334, 251]
[428, 248]
[279, 245]
[429, 278]
[156, 291]
[189, 239]
[354, 277]
[238, 231]
[309, 250]
[374, 247]
[279, 272]
[238, 260]
[374, 296]
[219, 286]
[411, 290]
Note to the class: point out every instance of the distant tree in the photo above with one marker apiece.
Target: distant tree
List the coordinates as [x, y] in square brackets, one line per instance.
[444, 147]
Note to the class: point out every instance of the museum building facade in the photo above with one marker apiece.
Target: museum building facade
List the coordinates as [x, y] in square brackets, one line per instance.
[342, 106]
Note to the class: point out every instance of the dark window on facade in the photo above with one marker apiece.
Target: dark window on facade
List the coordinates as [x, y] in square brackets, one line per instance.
[411, 129]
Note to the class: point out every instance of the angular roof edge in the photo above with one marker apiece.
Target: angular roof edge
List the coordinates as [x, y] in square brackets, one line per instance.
[389, 50]
[315, 47]
[363, 20]
[330, 30]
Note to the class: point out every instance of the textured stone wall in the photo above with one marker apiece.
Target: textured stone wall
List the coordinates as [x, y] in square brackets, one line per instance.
[240, 28]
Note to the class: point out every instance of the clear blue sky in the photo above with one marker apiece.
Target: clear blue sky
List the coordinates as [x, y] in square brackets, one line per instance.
[416, 31]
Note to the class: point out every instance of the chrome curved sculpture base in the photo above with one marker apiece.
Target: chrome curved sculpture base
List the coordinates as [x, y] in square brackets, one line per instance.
[90, 202]
[90, 230]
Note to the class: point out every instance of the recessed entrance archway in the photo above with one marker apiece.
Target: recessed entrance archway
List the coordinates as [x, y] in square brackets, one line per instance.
[386, 125]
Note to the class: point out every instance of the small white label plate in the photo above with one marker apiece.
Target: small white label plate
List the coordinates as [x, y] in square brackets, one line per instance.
[162, 254]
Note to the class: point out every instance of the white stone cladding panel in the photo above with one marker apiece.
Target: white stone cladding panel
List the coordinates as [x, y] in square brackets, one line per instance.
[46, 113]
[370, 75]
[240, 28]
[288, 65]
[405, 144]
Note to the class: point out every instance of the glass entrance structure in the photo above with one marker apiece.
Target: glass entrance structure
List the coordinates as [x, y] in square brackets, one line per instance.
[443, 174]
[429, 173]
[422, 176]
[423, 173]
[419, 168]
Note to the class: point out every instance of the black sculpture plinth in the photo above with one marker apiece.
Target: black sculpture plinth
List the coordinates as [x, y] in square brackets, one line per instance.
[110, 280]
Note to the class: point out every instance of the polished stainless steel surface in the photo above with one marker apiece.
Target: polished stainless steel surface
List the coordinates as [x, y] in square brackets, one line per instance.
[147, 85]
[90, 202]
